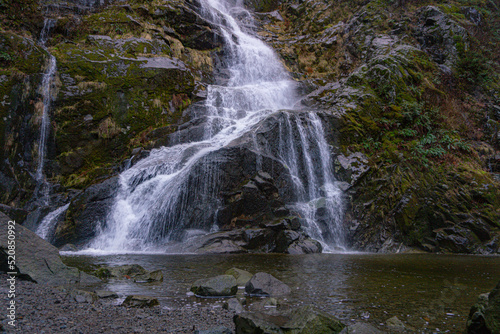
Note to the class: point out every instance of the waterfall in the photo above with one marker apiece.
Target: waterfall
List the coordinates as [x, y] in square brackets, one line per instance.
[47, 227]
[46, 90]
[152, 205]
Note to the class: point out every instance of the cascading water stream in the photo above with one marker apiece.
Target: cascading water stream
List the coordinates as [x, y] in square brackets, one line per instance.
[46, 92]
[151, 207]
[47, 225]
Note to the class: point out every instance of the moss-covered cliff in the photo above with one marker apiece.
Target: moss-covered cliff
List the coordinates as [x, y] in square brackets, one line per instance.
[416, 86]
[412, 86]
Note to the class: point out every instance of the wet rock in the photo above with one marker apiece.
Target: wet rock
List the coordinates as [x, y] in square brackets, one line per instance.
[85, 213]
[242, 276]
[227, 242]
[36, 259]
[351, 168]
[104, 294]
[233, 305]
[305, 320]
[484, 316]
[305, 246]
[260, 239]
[140, 301]
[456, 239]
[285, 239]
[262, 284]
[219, 286]
[361, 328]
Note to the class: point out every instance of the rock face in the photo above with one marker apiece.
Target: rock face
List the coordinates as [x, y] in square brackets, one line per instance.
[305, 320]
[36, 259]
[262, 284]
[484, 316]
[219, 286]
[439, 35]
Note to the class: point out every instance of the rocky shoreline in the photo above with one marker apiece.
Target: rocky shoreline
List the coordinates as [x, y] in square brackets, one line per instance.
[46, 309]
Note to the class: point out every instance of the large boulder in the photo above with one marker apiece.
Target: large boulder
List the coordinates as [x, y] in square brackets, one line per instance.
[262, 284]
[36, 259]
[484, 316]
[305, 320]
[218, 286]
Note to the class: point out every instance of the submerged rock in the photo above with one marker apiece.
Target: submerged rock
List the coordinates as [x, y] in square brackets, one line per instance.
[242, 276]
[104, 294]
[218, 286]
[140, 301]
[262, 284]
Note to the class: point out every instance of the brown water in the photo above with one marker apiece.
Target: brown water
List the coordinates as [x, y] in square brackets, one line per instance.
[431, 293]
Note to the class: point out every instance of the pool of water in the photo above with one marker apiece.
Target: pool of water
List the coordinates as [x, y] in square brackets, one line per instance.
[431, 293]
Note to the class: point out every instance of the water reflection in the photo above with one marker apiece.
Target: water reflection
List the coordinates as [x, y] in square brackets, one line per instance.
[427, 292]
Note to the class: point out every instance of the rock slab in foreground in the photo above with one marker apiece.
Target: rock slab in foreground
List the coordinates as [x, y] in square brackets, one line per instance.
[36, 259]
[262, 284]
[484, 316]
[218, 286]
[140, 301]
[305, 320]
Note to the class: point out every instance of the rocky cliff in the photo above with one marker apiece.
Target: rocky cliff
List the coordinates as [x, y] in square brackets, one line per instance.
[408, 92]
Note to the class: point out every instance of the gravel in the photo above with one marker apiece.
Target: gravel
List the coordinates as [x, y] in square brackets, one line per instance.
[46, 309]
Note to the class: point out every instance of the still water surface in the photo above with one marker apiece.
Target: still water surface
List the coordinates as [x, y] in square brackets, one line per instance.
[431, 293]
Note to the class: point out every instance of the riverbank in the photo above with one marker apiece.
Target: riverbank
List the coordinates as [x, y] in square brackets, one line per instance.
[45, 309]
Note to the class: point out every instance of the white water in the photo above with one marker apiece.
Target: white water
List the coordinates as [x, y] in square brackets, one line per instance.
[46, 92]
[47, 227]
[151, 207]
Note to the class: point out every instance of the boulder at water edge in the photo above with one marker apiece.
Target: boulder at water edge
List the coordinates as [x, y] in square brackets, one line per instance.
[484, 316]
[36, 259]
[218, 286]
[262, 284]
[305, 320]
